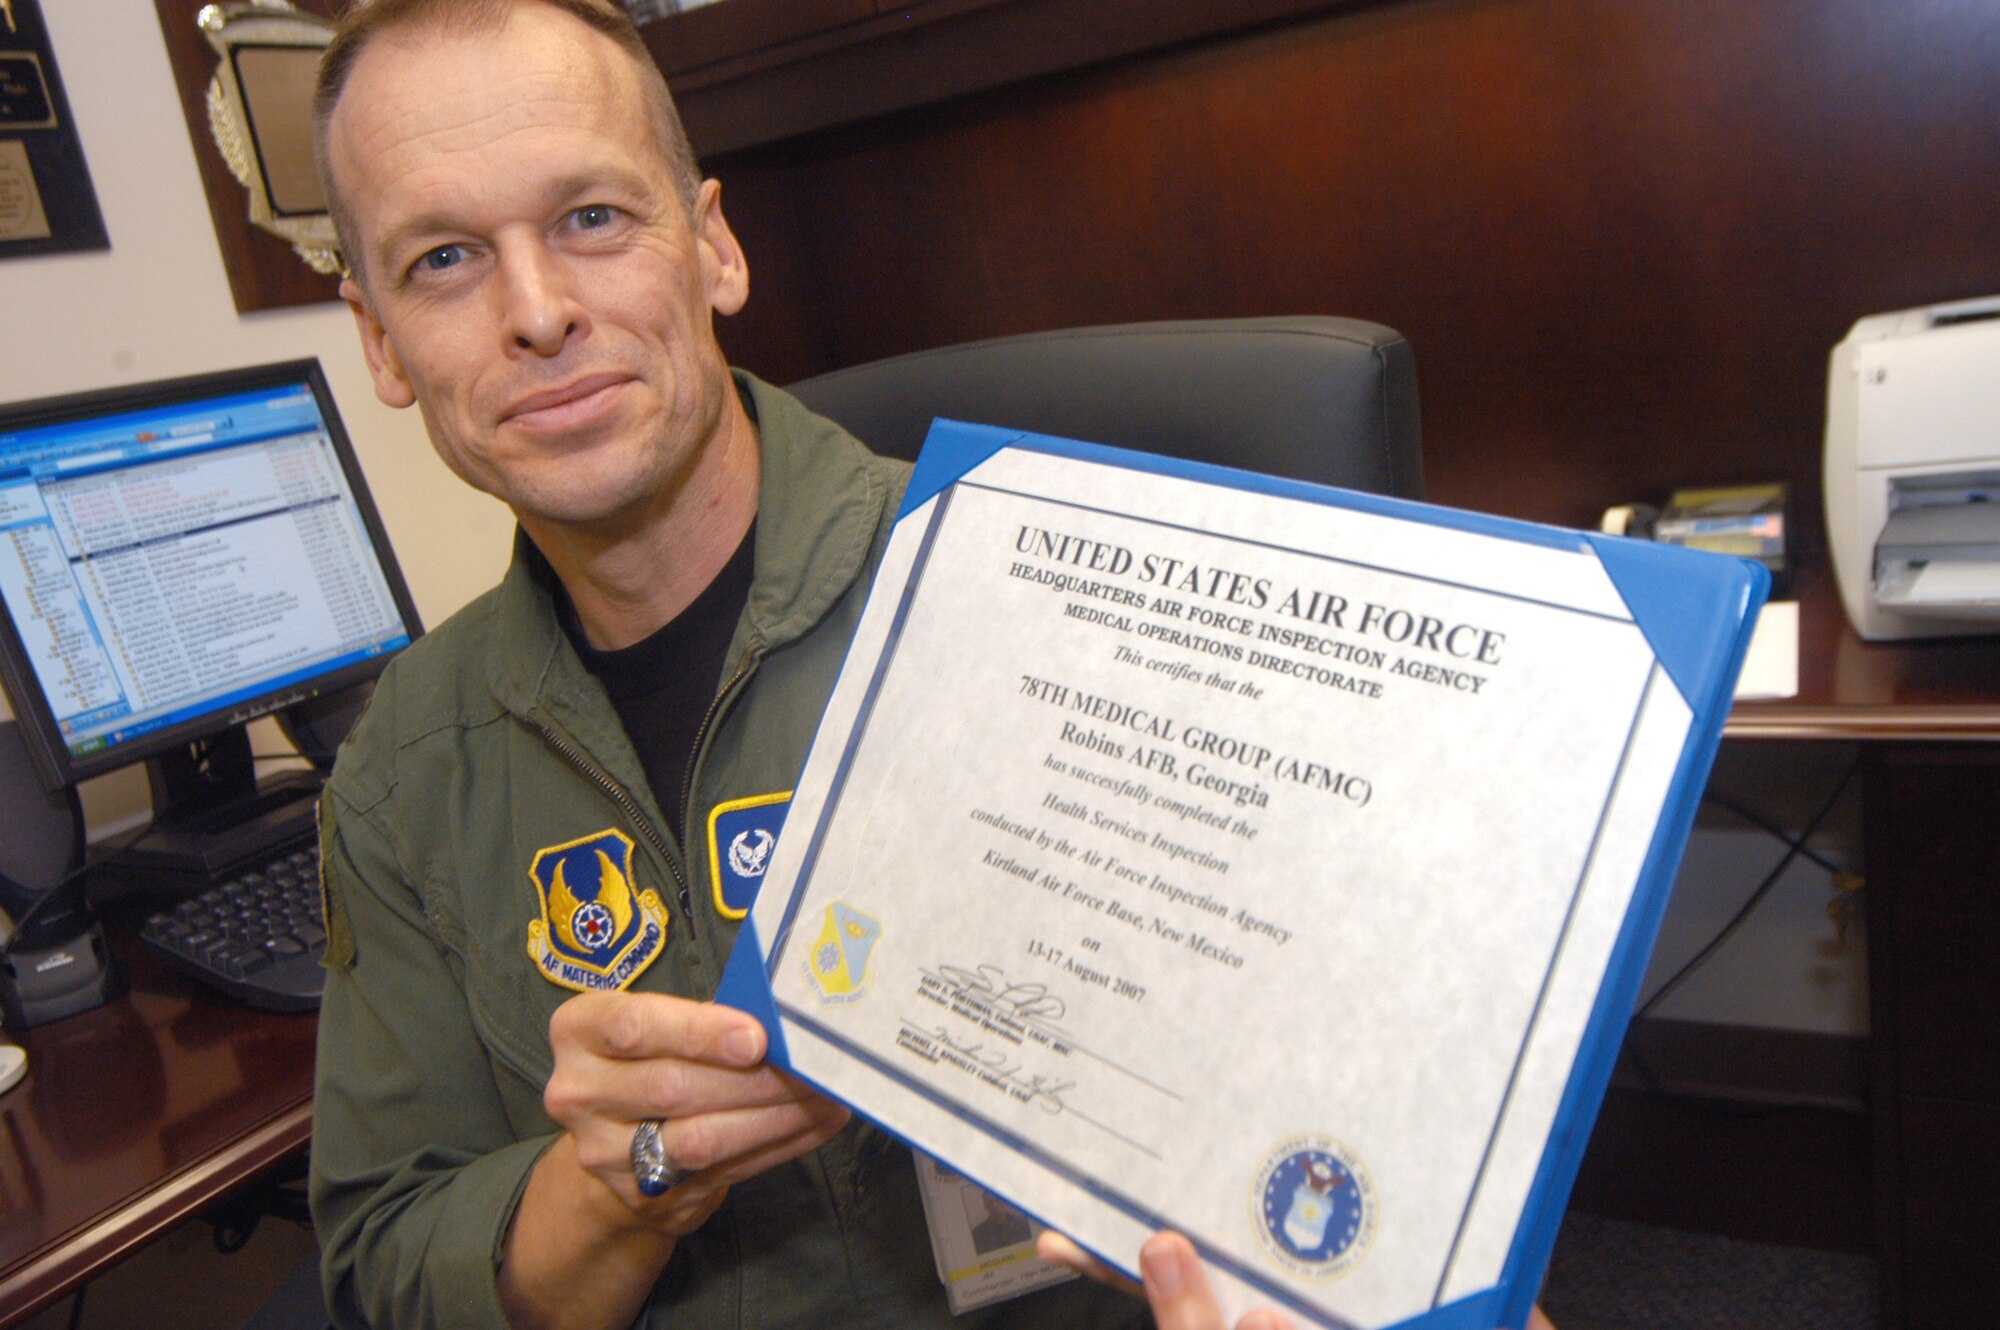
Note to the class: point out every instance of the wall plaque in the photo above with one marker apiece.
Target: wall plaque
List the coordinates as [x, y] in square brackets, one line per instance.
[264, 269]
[46, 202]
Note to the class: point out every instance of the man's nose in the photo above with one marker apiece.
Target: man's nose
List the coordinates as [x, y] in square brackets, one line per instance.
[540, 314]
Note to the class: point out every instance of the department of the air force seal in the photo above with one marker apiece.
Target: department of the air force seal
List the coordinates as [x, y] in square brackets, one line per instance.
[595, 931]
[1314, 1207]
[741, 835]
[837, 961]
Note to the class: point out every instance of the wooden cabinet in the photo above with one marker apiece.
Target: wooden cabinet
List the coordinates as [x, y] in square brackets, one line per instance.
[1933, 851]
[749, 72]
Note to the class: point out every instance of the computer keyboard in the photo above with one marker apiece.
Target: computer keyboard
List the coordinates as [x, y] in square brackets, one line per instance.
[258, 937]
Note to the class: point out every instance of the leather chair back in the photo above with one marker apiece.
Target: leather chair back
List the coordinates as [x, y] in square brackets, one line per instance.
[1307, 398]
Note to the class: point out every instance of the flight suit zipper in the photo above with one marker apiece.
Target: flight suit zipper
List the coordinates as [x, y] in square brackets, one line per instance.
[874, 1146]
[619, 795]
[688, 816]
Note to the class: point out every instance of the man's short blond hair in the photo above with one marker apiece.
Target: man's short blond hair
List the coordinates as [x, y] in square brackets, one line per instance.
[364, 20]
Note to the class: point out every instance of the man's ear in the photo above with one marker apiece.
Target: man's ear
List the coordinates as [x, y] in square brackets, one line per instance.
[724, 269]
[384, 366]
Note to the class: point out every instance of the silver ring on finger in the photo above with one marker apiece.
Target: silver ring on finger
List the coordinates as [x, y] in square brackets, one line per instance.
[652, 1168]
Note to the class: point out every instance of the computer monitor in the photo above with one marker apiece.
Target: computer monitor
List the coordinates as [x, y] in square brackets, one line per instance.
[177, 559]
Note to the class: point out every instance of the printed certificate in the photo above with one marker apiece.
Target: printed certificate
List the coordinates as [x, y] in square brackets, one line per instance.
[1187, 848]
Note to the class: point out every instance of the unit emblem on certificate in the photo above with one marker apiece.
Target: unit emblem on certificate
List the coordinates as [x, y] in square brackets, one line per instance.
[1314, 1207]
[595, 930]
[741, 835]
[838, 958]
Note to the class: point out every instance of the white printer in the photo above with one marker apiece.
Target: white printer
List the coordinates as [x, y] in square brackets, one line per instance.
[1913, 471]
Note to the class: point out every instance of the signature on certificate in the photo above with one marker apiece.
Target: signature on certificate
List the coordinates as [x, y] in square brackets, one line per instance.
[988, 984]
[1004, 1020]
[936, 1044]
[994, 1068]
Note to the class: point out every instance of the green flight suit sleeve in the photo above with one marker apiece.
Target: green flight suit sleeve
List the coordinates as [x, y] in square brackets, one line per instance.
[415, 1172]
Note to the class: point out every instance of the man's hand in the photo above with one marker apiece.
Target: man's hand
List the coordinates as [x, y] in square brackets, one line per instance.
[622, 1058]
[1176, 1287]
[585, 1246]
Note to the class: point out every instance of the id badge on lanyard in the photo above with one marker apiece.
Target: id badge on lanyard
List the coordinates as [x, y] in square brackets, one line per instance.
[985, 1248]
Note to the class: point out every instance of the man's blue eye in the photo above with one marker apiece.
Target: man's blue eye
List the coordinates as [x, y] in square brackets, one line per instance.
[594, 216]
[444, 256]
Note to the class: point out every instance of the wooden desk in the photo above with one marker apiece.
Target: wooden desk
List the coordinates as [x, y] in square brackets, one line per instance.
[1928, 715]
[1850, 689]
[135, 1116]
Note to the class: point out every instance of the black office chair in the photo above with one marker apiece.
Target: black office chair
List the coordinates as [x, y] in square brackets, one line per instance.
[1308, 398]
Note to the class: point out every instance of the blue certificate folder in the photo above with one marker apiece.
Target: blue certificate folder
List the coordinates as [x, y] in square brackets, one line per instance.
[1695, 612]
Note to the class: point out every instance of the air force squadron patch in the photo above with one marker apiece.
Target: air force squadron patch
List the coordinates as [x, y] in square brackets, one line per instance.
[741, 835]
[837, 963]
[595, 930]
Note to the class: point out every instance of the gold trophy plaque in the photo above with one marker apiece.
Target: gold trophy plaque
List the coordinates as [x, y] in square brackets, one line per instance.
[260, 111]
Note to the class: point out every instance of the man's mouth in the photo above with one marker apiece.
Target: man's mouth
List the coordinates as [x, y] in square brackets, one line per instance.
[566, 405]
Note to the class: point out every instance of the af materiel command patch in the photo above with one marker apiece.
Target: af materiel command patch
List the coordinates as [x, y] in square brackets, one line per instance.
[741, 835]
[595, 931]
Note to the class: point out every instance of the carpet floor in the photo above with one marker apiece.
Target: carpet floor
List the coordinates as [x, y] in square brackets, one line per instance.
[1607, 1274]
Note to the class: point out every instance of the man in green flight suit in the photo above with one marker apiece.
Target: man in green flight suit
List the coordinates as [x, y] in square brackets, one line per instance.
[516, 1032]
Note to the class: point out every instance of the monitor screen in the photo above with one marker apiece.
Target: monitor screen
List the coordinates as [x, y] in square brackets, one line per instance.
[179, 557]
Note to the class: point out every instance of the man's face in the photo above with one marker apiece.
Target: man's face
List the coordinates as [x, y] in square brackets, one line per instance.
[533, 279]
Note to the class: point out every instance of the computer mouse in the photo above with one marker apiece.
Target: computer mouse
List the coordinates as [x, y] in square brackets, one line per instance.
[13, 1066]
